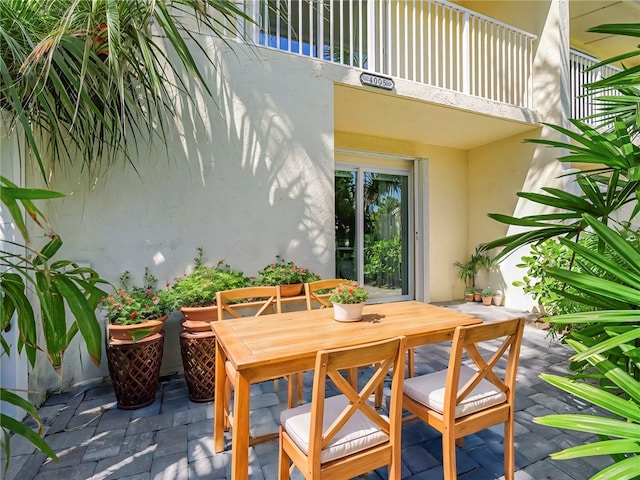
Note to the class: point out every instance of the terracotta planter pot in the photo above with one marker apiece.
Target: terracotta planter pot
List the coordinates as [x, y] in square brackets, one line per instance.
[477, 297]
[197, 319]
[347, 312]
[487, 300]
[200, 314]
[468, 297]
[130, 333]
[291, 290]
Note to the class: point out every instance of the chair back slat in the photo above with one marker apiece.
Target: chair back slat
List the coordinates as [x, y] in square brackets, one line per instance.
[311, 290]
[259, 298]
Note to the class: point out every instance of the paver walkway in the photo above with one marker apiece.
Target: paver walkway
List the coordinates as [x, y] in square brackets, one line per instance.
[172, 438]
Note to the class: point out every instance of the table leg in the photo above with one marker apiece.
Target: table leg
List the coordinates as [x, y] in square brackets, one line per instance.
[240, 430]
[219, 413]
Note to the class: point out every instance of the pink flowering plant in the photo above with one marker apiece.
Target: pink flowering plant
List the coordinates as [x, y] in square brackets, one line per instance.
[348, 293]
[284, 273]
[130, 305]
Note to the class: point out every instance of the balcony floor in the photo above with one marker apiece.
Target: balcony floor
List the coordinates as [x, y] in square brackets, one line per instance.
[173, 437]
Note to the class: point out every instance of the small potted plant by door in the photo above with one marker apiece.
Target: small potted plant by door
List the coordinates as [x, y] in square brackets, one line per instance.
[468, 294]
[135, 341]
[497, 298]
[290, 276]
[487, 296]
[348, 301]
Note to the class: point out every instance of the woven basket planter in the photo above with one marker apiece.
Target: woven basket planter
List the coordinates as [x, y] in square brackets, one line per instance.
[134, 368]
[198, 350]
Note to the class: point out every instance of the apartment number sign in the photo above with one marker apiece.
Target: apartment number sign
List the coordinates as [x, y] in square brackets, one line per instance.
[376, 81]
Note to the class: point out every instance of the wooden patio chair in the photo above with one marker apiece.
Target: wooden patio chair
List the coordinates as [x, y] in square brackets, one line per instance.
[247, 302]
[311, 290]
[343, 436]
[257, 300]
[470, 396]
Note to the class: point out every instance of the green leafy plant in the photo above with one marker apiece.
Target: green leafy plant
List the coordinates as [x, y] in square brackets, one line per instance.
[36, 288]
[87, 74]
[382, 262]
[199, 287]
[349, 293]
[604, 278]
[488, 292]
[468, 270]
[284, 273]
[130, 305]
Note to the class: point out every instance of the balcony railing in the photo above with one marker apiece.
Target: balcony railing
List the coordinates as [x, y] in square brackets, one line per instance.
[427, 41]
[582, 105]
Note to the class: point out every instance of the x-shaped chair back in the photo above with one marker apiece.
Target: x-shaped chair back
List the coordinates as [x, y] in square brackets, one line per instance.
[332, 422]
[467, 339]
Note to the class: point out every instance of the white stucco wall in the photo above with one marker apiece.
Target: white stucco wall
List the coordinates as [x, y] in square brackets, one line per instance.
[248, 178]
[509, 166]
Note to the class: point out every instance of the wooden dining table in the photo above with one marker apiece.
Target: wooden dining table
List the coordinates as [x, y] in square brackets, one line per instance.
[255, 349]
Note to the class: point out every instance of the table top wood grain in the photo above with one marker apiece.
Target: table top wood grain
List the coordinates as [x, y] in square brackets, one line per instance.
[296, 337]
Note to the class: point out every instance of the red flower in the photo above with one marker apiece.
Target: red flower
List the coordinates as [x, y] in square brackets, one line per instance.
[122, 293]
[134, 314]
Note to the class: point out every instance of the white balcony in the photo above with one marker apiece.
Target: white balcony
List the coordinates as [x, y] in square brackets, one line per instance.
[426, 41]
[582, 104]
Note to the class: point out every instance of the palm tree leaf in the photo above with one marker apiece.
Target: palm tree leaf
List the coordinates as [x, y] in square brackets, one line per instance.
[607, 345]
[610, 370]
[606, 447]
[598, 286]
[592, 424]
[596, 396]
[626, 469]
[616, 242]
[625, 276]
[611, 316]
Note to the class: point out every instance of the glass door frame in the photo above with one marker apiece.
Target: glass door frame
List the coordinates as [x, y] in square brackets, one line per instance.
[360, 169]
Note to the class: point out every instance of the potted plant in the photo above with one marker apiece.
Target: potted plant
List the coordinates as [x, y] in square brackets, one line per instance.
[467, 271]
[468, 294]
[348, 301]
[487, 296]
[477, 294]
[135, 340]
[497, 298]
[194, 293]
[288, 275]
[135, 312]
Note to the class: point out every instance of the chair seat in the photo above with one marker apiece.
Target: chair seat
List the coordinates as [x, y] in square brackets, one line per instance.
[429, 390]
[358, 434]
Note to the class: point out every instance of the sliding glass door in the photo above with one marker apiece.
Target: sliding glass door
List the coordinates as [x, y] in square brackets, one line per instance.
[373, 221]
